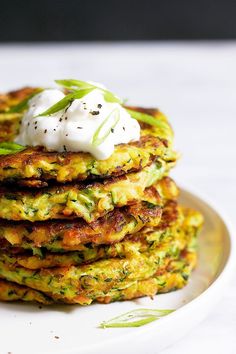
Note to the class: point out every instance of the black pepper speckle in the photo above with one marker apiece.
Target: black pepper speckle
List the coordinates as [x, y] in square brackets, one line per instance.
[99, 105]
[45, 131]
[112, 130]
[94, 113]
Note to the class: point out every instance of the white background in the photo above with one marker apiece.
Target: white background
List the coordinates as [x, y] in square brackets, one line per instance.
[195, 85]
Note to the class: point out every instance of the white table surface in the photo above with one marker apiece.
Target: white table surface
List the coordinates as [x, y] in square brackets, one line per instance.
[195, 85]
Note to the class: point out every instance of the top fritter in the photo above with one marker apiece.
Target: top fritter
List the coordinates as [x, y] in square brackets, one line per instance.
[91, 134]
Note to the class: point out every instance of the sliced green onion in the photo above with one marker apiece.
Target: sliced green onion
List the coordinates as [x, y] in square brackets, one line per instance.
[110, 97]
[23, 105]
[146, 118]
[7, 148]
[97, 139]
[72, 84]
[75, 84]
[65, 102]
[135, 318]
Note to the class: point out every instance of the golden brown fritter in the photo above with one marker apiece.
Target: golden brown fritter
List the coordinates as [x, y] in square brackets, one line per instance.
[88, 201]
[174, 235]
[62, 235]
[36, 166]
[169, 237]
[174, 277]
[85, 283]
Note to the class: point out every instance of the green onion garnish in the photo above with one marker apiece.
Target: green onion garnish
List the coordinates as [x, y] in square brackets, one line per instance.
[7, 148]
[78, 84]
[98, 139]
[146, 118]
[72, 84]
[79, 89]
[65, 102]
[23, 105]
[135, 318]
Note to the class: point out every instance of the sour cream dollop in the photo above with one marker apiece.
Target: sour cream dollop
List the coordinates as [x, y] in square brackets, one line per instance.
[89, 124]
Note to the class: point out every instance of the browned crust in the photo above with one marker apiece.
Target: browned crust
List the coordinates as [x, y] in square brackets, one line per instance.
[56, 188]
[169, 216]
[102, 231]
[30, 156]
[75, 232]
[14, 97]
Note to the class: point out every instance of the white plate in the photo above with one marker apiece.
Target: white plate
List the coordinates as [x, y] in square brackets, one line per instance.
[26, 329]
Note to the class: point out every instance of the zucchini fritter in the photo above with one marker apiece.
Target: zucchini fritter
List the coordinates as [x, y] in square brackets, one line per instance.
[173, 277]
[35, 166]
[170, 239]
[85, 283]
[88, 201]
[62, 235]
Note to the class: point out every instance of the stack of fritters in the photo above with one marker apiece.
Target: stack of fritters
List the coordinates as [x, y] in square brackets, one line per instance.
[76, 230]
